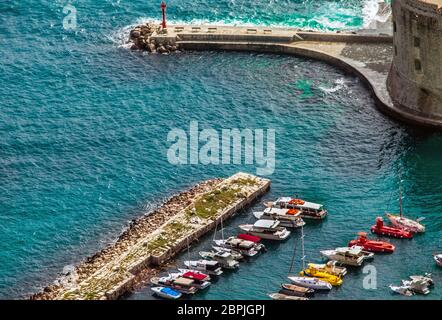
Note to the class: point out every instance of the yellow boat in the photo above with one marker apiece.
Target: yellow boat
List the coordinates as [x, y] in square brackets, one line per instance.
[330, 267]
[313, 272]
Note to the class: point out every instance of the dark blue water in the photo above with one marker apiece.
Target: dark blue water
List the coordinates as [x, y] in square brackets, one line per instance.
[84, 124]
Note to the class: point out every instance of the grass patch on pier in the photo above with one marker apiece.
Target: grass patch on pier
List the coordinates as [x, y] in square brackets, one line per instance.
[209, 204]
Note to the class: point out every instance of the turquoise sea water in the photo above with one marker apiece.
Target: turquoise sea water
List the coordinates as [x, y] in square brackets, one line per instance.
[84, 123]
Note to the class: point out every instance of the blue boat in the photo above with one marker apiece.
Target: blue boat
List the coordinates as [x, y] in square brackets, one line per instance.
[166, 293]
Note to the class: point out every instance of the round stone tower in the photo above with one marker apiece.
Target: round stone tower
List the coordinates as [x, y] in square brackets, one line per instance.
[415, 78]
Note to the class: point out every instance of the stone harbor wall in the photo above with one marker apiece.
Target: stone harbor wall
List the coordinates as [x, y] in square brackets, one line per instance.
[415, 79]
[154, 239]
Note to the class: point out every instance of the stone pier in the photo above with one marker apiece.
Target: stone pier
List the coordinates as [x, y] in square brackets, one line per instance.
[152, 240]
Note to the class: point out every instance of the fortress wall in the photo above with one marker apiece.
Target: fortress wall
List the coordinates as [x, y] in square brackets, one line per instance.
[415, 79]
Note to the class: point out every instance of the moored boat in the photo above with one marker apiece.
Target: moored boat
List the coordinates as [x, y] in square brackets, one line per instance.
[245, 247]
[234, 253]
[289, 218]
[324, 276]
[438, 259]
[225, 259]
[401, 222]
[309, 210]
[292, 289]
[312, 283]
[403, 290]
[383, 230]
[207, 266]
[281, 296]
[330, 267]
[405, 223]
[371, 245]
[351, 256]
[166, 293]
[200, 281]
[266, 229]
[179, 284]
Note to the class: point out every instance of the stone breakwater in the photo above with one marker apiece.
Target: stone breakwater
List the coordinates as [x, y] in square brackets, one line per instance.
[152, 38]
[152, 240]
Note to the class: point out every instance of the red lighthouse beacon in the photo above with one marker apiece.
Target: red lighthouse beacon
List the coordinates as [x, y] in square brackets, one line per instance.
[163, 9]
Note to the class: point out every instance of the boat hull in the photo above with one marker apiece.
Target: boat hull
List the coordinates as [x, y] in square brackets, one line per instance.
[405, 223]
[310, 283]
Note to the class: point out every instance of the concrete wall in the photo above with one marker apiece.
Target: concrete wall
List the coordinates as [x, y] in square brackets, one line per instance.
[415, 79]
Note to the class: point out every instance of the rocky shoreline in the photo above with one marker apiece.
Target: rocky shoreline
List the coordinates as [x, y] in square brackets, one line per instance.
[137, 229]
[141, 38]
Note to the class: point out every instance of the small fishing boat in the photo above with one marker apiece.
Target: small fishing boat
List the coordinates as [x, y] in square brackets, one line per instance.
[438, 259]
[183, 285]
[210, 267]
[401, 222]
[294, 290]
[380, 229]
[352, 256]
[309, 210]
[416, 284]
[330, 267]
[235, 254]
[312, 283]
[425, 279]
[324, 276]
[245, 247]
[280, 296]
[225, 259]
[200, 281]
[166, 293]
[371, 245]
[289, 218]
[403, 290]
[266, 229]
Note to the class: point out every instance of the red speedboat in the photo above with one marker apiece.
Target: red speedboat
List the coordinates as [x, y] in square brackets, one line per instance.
[381, 229]
[370, 245]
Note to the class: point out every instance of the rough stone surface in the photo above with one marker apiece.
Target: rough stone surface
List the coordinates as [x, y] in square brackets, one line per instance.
[415, 80]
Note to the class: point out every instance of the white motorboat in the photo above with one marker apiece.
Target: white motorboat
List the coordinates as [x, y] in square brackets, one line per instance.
[312, 283]
[266, 229]
[425, 279]
[352, 256]
[199, 280]
[235, 254]
[289, 218]
[438, 259]
[166, 293]
[416, 286]
[207, 266]
[180, 284]
[225, 259]
[281, 296]
[403, 290]
[309, 210]
[245, 247]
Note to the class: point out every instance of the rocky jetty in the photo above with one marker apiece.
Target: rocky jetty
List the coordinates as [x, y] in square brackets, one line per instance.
[152, 38]
[153, 240]
[137, 229]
